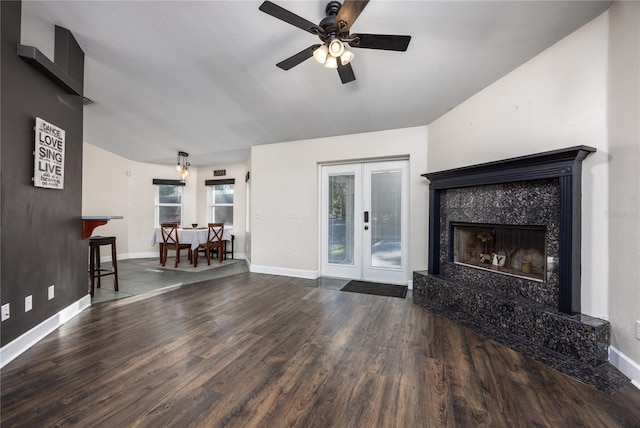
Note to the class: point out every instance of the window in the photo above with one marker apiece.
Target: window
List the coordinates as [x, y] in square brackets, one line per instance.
[221, 201]
[168, 203]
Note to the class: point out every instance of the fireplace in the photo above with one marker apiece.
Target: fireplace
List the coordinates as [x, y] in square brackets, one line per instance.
[506, 249]
[504, 253]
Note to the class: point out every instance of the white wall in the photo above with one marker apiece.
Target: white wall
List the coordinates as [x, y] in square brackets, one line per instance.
[558, 99]
[561, 99]
[284, 178]
[104, 183]
[623, 210]
[113, 185]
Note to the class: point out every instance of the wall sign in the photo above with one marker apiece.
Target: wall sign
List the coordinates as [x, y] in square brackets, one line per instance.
[48, 165]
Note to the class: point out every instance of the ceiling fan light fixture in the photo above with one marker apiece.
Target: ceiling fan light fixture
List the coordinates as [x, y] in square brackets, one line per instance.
[336, 47]
[331, 62]
[321, 54]
[334, 31]
[346, 57]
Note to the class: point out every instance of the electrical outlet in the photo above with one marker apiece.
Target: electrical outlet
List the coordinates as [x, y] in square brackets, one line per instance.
[6, 311]
[295, 255]
[28, 303]
[638, 329]
[51, 292]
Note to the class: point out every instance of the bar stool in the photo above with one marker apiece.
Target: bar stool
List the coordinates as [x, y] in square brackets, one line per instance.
[95, 242]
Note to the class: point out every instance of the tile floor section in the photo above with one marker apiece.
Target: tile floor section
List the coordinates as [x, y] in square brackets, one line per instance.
[134, 278]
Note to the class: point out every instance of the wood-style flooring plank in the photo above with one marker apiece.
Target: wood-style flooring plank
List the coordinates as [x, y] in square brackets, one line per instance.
[257, 350]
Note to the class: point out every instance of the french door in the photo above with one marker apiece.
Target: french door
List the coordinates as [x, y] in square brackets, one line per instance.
[364, 221]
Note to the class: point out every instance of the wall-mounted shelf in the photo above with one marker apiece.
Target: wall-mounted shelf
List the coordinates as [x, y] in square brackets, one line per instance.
[90, 222]
[36, 58]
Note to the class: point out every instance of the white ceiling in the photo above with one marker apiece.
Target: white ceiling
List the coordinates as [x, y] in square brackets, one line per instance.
[201, 76]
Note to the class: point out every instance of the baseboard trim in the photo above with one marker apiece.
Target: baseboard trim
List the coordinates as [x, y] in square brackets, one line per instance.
[16, 347]
[296, 273]
[626, 365]
[127, 256]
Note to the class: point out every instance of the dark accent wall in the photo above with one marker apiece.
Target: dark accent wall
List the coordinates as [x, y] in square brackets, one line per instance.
[40, 229]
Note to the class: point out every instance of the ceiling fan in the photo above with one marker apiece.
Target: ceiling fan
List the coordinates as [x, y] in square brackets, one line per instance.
[333, 32]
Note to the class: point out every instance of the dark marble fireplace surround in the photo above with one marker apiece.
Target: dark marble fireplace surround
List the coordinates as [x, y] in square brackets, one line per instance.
[541, 319]
[521, 203]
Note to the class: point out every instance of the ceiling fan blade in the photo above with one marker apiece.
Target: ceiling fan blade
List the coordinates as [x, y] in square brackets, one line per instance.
[290, 17]
[348, 13]
[298, 58]
[345, 72]
[385, 42]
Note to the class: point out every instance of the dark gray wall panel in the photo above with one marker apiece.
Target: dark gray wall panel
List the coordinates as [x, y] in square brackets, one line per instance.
[40, 242]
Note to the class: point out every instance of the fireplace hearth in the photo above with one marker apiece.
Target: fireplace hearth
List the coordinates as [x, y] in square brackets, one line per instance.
[504, 255]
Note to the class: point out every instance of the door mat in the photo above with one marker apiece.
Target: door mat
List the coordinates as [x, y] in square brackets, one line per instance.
[376, 288]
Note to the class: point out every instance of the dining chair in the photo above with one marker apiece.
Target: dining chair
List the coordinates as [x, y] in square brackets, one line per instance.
[170, 241]
[214, 241]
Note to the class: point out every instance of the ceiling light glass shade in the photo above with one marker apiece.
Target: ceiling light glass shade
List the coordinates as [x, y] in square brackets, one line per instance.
[331, 62]
[346, 57]
[182, 166]
[336, 47]
[321, 54]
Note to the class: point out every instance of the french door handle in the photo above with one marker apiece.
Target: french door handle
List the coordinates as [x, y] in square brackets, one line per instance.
[366, 216]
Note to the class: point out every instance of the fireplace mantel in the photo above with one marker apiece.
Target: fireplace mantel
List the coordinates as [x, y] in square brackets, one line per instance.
[563, 164]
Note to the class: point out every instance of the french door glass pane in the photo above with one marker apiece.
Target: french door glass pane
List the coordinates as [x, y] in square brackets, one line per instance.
[341, 219]
[386, 216]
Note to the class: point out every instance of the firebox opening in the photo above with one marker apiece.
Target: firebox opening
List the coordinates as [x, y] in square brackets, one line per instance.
[507, 249]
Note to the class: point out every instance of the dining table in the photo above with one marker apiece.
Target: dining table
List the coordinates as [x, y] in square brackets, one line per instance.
[192, 236]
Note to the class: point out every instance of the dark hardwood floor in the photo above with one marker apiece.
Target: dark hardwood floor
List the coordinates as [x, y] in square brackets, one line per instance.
[255, 350]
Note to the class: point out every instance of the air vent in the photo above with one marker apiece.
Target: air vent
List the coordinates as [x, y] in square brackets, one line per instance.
[86, 101]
